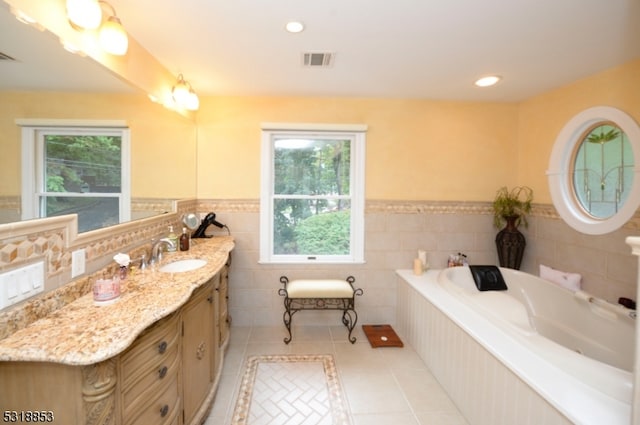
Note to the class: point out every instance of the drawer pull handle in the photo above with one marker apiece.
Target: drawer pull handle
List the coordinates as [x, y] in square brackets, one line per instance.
[162, 347]
[163, 372]
[210, 298]
[202, 347]
[164, 410]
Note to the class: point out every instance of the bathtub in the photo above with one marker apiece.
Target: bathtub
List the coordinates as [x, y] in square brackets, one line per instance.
[534, 354]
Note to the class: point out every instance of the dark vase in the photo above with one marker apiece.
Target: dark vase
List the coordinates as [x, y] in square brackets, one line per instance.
[510, 244]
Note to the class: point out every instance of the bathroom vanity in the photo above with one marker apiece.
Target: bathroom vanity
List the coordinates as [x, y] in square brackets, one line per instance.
[152, 357]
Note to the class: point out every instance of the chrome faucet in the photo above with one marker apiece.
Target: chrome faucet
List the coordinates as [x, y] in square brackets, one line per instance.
[156, 249]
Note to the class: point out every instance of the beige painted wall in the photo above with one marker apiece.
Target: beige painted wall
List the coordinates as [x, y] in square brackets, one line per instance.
[544, 116]
[163, 143]
[416, 149]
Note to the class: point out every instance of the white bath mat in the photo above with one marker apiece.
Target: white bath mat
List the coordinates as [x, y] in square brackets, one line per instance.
[291, 389]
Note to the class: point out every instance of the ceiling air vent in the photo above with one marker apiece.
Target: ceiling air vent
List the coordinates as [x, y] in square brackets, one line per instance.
[317, 59]
[5, 57]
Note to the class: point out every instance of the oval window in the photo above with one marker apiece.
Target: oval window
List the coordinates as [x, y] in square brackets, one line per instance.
[592, 170]
[603, 170]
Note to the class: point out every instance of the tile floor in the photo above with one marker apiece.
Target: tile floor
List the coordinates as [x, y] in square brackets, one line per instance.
[383, 386]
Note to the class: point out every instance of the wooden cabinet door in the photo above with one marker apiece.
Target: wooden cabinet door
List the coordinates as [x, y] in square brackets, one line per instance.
[223, 306]
[197, 349]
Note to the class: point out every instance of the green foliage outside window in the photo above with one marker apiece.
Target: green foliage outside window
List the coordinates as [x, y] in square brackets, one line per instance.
[311, 181]
[325, 234]
[87, 165]
[76, 162]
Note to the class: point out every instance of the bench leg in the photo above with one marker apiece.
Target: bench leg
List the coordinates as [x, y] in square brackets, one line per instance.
[349, 319]
[287, 317]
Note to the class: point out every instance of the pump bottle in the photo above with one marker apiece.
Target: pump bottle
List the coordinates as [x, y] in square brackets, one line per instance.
[184, 240]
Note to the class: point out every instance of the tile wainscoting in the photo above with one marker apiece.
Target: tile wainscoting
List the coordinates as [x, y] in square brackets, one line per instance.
[394, 231]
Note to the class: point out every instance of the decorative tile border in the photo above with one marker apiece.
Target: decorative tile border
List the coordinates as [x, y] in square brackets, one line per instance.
[26, 242]
[339, 409]
[401, 207]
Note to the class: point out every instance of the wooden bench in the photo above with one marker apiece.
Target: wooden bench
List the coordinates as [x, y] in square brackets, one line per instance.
[320, 294]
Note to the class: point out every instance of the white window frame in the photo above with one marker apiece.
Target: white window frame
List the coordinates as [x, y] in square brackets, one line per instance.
[357, 134]
[561, 164]
[32, 160]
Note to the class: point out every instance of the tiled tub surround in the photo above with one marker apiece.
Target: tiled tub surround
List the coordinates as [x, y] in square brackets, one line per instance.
[394, 231]
[80, 333]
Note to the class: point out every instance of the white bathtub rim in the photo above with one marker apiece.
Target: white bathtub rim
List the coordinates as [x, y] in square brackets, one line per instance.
[583, 406]
[621, 387]
[611, 381]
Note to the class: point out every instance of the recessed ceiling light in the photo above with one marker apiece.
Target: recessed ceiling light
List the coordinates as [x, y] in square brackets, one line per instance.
[295, 27]
[488, 81]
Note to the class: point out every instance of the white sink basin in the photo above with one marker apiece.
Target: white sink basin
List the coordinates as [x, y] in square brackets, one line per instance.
[183, 265]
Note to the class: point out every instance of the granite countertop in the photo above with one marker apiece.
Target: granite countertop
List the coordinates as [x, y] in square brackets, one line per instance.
[81, 333]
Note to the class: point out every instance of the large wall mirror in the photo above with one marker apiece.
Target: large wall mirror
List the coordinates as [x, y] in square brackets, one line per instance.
[593, 174]
[42, 81]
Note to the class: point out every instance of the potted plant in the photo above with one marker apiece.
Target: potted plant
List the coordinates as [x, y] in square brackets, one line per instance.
[511, 206]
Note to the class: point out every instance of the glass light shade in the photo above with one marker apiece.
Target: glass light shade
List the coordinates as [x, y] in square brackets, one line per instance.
[86, 14]
[180, 93]
[193, 103]
[113, 38]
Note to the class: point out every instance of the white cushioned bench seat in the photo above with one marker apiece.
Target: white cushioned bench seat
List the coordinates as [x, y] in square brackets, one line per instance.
[319, 288]
[320, 294]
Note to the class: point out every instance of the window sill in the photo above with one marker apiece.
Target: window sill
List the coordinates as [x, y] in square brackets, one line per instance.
[308, 262]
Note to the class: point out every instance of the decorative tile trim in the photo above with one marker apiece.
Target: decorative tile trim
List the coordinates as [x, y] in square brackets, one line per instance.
[153, 205]
[10, 204]
[53, 239]
[547, 211]
[229, 205]
[375, 206]
[427, 207]
[339, 410]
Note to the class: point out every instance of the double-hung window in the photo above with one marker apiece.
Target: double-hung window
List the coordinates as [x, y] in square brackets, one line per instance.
[81, 170]
[312, 195]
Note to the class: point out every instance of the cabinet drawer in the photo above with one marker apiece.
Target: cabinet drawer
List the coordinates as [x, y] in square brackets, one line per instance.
[152, 382]
[162, 410]
[150, 351]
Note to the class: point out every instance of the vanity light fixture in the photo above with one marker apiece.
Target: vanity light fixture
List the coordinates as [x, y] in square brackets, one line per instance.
[112, 36]
[294, 27]
[85, 14]
[180, 91]
[193, 103]
[184, 96]
[488, 81]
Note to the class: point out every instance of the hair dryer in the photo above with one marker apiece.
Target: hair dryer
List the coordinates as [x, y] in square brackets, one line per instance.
[206, 222]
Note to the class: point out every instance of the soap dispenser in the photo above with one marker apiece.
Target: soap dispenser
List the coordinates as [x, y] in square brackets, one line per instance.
[184, 240]
[173, 238]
